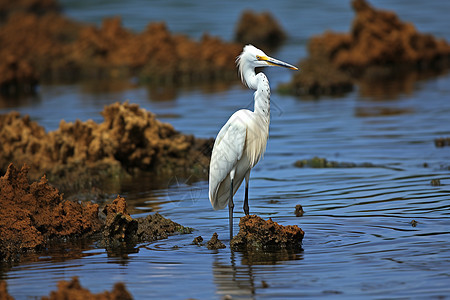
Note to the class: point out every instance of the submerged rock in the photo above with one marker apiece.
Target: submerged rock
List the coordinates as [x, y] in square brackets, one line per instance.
[129, 140]
[33, 214]
[442, 142]
[319, 162]
[73, 290]
[379, 47]
[258, 234]
[214, 243]
[261, 30]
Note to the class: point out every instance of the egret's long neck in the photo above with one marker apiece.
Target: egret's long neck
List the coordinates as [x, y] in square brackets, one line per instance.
[260, 83]
[262, 96]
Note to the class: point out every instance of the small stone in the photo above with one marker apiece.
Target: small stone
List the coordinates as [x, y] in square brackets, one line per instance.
[197, 241]
[214, 243]
[299, 210]
[435, 182]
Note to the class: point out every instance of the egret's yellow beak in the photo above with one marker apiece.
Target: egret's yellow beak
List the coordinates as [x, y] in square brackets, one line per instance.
[275, 62]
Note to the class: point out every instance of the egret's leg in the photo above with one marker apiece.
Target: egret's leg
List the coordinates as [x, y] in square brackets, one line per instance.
[230, 210]
[246, 208]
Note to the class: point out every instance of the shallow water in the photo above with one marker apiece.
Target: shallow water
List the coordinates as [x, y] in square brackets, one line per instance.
[359, 241]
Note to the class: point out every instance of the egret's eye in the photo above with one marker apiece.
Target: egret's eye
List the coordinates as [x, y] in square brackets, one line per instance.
[258, 57]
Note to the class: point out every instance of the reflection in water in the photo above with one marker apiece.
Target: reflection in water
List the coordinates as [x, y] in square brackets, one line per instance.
[392, 88]
[241, 280]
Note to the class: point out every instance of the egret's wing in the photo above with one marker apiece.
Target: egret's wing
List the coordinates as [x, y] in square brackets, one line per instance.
[227, 151]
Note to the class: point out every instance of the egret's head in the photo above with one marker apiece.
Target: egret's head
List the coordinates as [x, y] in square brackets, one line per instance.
[252, 57]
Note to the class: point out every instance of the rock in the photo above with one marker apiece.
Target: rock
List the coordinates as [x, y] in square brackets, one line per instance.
[299, 210]
[129, 140]
[44, 45]
[319, 162]
[119, 225]
[68, 290]
[4, 295]
[442, 142]
[155, 227]
[198, 241]
[257, 234]
[262, 30]
[33, 214]
[214, 243]
[379, 47]
[435, 182]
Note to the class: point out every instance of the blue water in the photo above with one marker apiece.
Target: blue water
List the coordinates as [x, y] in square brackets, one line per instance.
[358, 243]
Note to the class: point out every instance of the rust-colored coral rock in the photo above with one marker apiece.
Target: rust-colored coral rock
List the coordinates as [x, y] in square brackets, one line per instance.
[261, 30]
[214, 243]
[119, 225]
[72, 290]
[38, 46]
[379, 46]
[32, 214]
[258, 234]
[130, 138]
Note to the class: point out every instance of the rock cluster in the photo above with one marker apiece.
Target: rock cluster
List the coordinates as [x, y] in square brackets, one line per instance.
[379, 46]
[129, 139]
[32, 214]
[42, 44]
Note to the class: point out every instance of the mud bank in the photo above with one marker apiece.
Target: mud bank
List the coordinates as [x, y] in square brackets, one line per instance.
[41, 44]
[80, 155]
[260, 29]
[379, 47]
[256, 234]
[72, 290]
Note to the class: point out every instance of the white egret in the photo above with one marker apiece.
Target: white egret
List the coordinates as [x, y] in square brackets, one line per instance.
[241, 142]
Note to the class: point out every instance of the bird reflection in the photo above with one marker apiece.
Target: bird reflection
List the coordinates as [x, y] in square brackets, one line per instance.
[240, 279]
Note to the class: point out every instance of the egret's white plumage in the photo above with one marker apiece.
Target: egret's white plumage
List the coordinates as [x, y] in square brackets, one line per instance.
[241, 142]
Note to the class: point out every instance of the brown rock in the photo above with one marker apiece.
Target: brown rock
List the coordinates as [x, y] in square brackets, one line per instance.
[214, 243]
[119, 225]
[49, 46]
[32, 214]
[72, 290]
[129, 139]
[155, 227]
[261, 30]
[379, 47]
[4, 295]
[442, 142]
[257, 234]
[299, 210]
[197, 241]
